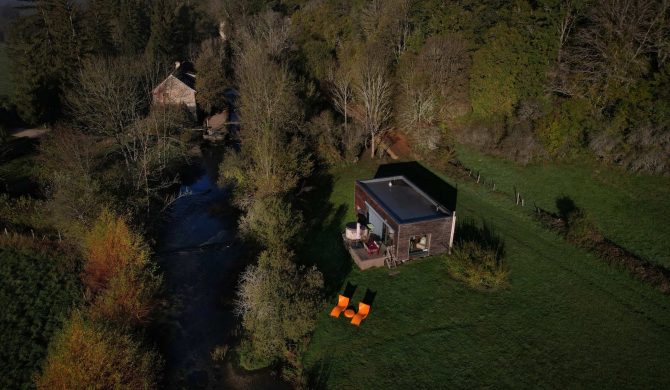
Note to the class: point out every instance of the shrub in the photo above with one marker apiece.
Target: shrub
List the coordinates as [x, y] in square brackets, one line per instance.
[477, 266]
[88, 356]
[129, 299]
[578, 226]
[111, 246]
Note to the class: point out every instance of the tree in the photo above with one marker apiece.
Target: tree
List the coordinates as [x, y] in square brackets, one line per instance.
[618, 42]
[110, 248]
[129, 299]
[46, 47]
[278, 303]
[212, 81]
[108, 99]
[373, 92]
[111, 100]
[68, 165]
[341, 87]
[270, 116]
[87, 355]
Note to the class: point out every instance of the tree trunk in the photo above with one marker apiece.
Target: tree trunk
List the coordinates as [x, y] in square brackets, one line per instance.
[372, 147]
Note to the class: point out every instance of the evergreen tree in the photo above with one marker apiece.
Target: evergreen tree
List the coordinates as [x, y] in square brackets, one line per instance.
[46, 47]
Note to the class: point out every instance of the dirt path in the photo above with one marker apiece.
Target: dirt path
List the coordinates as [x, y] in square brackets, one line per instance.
[29, 133]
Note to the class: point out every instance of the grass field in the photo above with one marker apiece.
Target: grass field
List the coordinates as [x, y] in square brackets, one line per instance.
[632, 210]
[6, 86]
[568, 319]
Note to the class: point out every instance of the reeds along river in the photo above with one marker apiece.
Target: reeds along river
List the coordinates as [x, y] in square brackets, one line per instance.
[200, 263]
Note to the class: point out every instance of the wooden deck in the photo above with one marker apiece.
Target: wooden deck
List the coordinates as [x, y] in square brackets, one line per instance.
[361, 257]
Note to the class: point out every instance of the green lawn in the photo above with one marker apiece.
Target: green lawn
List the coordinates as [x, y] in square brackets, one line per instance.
[632, 210]
[568, 319]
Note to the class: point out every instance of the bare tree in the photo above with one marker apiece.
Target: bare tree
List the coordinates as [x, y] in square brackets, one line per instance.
[615, 46]
[373, 91]
[400, 27]
[445, 61]
[417, 103]
[388, 22]
[108, 98]
[341, 81]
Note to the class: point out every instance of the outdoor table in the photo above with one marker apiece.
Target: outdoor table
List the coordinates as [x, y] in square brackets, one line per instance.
[349, 313]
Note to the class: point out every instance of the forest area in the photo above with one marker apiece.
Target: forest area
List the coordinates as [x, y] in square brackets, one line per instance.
[320, 86]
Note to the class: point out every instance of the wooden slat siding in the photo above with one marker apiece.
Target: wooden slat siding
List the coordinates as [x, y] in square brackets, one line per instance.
[440, 235]
[439, 229]
[361, 196]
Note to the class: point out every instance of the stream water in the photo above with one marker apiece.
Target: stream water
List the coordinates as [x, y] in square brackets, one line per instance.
[201, 262]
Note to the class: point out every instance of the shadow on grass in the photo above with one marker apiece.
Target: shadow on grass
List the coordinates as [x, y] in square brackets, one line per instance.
[320, 372]
[369, 296]
[322, 244]
[467, 230]
[566, 206]
[349, 290]
[433, 185]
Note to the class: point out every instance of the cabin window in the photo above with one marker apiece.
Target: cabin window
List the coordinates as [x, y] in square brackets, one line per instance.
[419, 245]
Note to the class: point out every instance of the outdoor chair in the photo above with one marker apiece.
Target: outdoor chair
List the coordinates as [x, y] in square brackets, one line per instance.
[342, 303]
[363, 311]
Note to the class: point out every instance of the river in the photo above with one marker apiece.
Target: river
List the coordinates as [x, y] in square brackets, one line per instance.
[200, 262]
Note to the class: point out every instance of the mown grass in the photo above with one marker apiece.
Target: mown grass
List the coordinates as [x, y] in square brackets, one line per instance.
[567, 319]
[631, 210]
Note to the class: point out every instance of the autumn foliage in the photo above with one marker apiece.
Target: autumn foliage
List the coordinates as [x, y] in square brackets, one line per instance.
[129, 299]
[111, 246]
[89, 356]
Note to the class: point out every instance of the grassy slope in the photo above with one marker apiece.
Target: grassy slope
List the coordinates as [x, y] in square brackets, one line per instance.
[632, 210]
[6, 86]
[568, 319]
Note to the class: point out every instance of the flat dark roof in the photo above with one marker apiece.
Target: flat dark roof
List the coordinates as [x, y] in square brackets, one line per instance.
[404, 201]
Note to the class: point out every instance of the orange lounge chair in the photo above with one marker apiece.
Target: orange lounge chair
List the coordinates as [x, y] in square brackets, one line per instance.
[342, 303]
[363, 311]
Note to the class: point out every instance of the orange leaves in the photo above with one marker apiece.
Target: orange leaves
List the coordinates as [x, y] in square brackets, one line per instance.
[88, 356]
[111, 246]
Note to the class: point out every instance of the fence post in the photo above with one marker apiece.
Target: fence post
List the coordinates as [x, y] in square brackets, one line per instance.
[33, 233]
[6, 232]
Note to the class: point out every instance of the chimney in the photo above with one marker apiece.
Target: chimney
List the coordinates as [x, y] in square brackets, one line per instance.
[177, 64]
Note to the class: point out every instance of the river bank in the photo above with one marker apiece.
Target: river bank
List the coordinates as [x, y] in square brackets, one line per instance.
[200, 260]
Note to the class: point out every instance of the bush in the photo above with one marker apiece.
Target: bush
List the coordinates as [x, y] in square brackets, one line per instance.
[578, 226]
[129, 299]
[110, 247]
[477, 266]
[86, 355]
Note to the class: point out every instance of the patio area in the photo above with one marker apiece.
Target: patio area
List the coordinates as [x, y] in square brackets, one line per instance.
[360, 254]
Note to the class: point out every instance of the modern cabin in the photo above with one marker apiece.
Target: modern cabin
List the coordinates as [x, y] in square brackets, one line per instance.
[397, 222]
